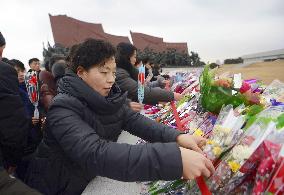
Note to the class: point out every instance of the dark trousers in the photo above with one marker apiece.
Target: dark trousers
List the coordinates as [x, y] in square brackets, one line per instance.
[13, 186]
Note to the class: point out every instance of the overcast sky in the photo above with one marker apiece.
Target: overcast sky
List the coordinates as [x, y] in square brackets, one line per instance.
[216, 29]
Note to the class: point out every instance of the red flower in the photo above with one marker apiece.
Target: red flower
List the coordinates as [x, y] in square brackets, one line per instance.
[245, 87]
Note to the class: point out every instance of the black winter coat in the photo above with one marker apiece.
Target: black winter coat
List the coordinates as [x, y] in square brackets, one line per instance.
[14, 125]
[151, 95]
[80, 142]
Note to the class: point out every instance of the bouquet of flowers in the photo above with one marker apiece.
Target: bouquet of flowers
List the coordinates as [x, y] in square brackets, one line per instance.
[226, 132]
[254, 175]
[32, 84]
[270, 151]
[224, 91]
[276, 185]
[243, 160]
[270, 161]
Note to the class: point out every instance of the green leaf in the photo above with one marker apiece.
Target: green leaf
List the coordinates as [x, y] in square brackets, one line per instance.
[169, 187]
[214, 97]
[280, 121]
[251, 113]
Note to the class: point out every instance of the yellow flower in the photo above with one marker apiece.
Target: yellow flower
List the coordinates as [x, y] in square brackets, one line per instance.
[210, 142]
[198, 132]
[217, 150]
[218, 129]
[263, 101]
[234, 166]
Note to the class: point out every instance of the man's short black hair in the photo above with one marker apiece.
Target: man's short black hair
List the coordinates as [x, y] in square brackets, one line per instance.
[90, 53]
[33, 60]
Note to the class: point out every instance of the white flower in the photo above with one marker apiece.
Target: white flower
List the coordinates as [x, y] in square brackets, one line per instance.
[218, 129]
[241, 152]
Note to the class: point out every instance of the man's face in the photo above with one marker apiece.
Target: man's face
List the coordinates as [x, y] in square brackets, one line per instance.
[35, 65]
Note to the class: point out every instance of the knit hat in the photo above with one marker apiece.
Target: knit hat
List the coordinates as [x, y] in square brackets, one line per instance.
[58, 70]
[2, 40]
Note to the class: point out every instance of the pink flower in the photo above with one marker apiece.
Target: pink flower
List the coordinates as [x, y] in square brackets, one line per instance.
[245, 87]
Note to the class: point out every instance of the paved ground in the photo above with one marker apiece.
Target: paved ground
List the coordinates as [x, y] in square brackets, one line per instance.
[105, 186]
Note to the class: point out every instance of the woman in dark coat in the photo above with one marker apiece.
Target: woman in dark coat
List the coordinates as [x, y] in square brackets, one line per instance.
[127, 76]
[83, 125]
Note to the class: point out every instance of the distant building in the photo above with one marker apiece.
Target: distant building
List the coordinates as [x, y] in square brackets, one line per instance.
[157, 44]
[68, 31]
[263, 56]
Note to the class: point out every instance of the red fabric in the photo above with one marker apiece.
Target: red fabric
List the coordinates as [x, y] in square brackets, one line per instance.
[276, 185]
[33, 80]
[141, 78]
[270, 152]
[202, 186]
[33, 92]
[179, 126]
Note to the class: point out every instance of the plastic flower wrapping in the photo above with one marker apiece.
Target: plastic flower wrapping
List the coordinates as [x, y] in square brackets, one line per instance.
[185, 82]
[226, 132]
[244, 138]
[276, 184]
[237, 171]
[224, 91]
[192, 117]
[270, 153]
[32, 84]
[274, 91]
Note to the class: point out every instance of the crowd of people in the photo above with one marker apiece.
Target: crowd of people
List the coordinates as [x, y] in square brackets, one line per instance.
[86, 99]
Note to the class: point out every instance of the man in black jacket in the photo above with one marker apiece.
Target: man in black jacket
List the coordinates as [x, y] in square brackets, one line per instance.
[13, 128]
